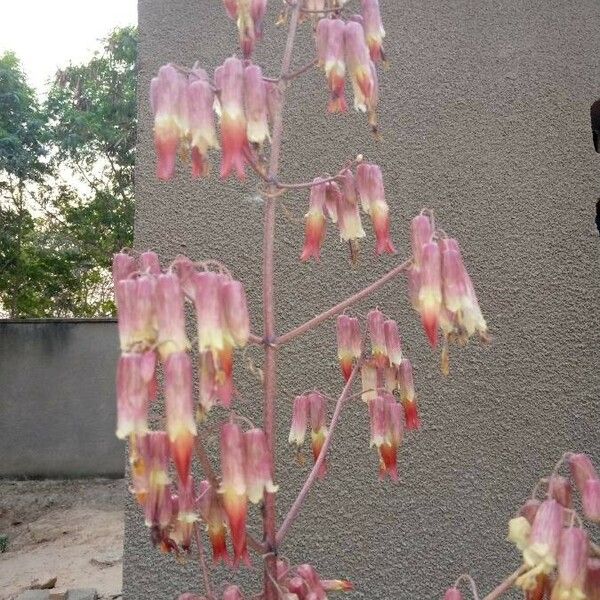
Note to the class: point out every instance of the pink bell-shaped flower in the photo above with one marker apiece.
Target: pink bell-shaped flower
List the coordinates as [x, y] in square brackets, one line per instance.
[258, 466]
[299, 420]
[201, 118]
[187, 514]
[169, 105]
[541, 554]
[317, 408]
[123, 266]
[209, 317]
[430, 291]
[393, 343]
[349, 341]
[215, 519]
[362, 70]
[255, 98]
[179, 403]
[315, 224]
[374, 32]
[369, 181]
[375, 323]
[235, 308]
[590, 499]
[407, 394]
[135, 390]
[559, 488]
[170, 316]
[233, 488]
[592, 583]
[229, 79]
[349, 221]
[453, 593]
[572, 564]
[334, 63]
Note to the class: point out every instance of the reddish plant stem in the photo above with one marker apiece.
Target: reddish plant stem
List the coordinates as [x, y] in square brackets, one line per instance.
[504, 586]
[312, 477]
[338, 308]
[270, 372]
[203, 565]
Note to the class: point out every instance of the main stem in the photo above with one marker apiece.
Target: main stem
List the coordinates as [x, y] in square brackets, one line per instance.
[270, 366]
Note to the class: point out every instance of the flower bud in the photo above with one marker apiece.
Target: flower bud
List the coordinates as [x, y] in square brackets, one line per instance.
[312, 581]
[258, 466]
[233, 487]
[215, 518]
[203, 134]
[299, 420]
[235, 308]
[167, 96]
[559, 488]
[590, 499]
[232, 592]
[317, 407]
[179, 404]
[572, 564]
[135, 375]
[255, 97]
[377, 415]
[337, 585]
[421, 233]
[393, 343]
[407, 394]
[123, 266]
[374, 32]
[582, 469]
[229, 78]
[453, 593]
[529, 509]
[170, 316]
[430, 291]
[315, 225]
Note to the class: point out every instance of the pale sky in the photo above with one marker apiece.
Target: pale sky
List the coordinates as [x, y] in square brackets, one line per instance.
[47, 34]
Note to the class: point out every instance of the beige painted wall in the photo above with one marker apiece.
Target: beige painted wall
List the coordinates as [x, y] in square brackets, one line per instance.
[485, 119]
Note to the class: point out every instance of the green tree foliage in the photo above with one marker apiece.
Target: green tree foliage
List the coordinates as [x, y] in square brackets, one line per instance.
[66, 182]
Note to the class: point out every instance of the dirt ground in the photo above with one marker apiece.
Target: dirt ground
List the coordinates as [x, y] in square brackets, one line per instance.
[71, 530]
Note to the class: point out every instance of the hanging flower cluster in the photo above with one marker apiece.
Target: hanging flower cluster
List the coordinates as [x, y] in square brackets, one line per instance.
[310, 409]
[559, 560]
[184, 119]
[338, 201]
[352, 48]
[304, 583]
[440, 288]
[249, 16]
[150, 307]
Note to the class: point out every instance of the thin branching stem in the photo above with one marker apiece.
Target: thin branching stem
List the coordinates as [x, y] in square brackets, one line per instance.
[312, 477]
[338, 308]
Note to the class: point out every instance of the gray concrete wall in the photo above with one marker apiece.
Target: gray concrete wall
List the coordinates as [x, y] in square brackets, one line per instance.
[57, 399]
[485, 118]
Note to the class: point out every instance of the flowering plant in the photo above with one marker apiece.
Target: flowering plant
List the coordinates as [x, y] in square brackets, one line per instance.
[187, 104]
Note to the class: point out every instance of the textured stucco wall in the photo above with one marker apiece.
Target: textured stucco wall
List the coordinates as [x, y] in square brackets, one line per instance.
[485, 119]
[57, 399]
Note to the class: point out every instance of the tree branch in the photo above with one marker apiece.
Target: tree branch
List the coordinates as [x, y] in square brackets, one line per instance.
[338, 308]
[312, 477]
